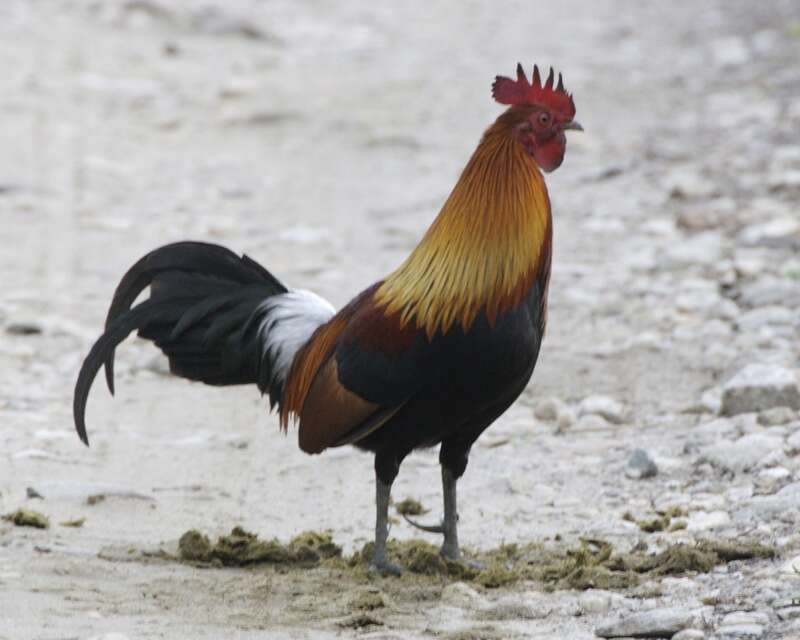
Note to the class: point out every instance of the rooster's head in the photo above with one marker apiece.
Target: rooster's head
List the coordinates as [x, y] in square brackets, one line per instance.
[539, 114]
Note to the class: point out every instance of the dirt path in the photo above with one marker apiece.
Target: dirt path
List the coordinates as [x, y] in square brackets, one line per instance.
[321, 139]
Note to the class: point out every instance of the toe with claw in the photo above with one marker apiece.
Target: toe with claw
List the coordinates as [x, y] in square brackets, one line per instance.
[430, 528]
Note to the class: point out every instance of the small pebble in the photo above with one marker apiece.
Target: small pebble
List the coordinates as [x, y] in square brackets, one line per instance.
[656, 623]
[594, 602]
[748, 452]
[603, 406]
[703, 521]
[793, 443]
[758, 387]
[745, 617]
[640, 466]
[776, 416]
[593, 422]
[792, 567]
[549, 409]
[566, 419]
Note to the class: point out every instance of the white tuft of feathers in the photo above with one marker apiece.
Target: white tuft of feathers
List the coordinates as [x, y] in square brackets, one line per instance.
[289, 320]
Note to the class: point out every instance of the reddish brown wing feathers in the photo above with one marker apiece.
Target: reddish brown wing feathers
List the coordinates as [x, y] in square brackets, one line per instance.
[329, 413]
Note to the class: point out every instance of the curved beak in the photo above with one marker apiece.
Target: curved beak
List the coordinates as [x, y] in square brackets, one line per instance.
[574, 125]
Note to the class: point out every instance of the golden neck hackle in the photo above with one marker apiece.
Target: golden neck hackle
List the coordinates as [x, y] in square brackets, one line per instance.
[483, 249]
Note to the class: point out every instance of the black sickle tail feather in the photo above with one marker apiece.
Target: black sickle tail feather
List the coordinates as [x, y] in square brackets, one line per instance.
[201, 298]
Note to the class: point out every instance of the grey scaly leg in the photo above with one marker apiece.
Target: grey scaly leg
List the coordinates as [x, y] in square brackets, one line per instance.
[449, 525]
[450, 548]
[380, 559]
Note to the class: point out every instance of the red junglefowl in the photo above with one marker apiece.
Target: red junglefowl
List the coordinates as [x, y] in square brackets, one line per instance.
[432, 354]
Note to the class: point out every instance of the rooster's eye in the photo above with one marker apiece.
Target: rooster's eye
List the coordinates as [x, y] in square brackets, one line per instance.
[544, 119]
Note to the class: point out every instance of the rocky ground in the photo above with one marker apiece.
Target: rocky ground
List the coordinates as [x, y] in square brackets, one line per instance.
[321, 138]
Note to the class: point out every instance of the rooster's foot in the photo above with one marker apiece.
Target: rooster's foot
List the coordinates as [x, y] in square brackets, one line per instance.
[384, 567]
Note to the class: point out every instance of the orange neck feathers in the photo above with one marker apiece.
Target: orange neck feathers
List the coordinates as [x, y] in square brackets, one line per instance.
[483, 250]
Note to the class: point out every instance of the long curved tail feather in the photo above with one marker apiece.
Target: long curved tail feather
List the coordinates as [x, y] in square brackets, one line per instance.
[189, 257]
[220, 319]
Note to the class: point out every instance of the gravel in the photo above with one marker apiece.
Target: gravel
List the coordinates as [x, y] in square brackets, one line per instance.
[747, 452]
[758, 387]
[658, 623]
[640, 466]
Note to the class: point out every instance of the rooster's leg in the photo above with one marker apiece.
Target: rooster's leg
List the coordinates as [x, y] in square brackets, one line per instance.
[450, 524]
[380, 559]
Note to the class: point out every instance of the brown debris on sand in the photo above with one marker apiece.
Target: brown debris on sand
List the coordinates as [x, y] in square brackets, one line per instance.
[27, 518]
[73, 522]
[592, 564]
[410, 507]
[242, 547]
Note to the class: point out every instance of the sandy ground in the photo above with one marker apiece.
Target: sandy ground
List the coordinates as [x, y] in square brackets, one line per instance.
[321, 138]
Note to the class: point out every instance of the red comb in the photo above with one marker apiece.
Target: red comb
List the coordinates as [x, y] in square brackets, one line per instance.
[520, 91]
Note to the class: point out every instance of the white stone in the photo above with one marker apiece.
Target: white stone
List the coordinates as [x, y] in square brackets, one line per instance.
[516, 607]
[548, 409]
[592, 422]
[782, 504]
[757, 387]
[730, 51]
[769, 289]
[763, 232]
[673, 585]
[717, 428]
[792, 567]
[640, 465]
[748, 266]
[776, 416]
[656, 623]
[604, 406]
[739, 493]
[745, 453]
[707, 502]
[566, 419]
[793, 444]
[744, 617]
[766, 40]
[594, 601]
[712, 400]
[775, 473]
[701, 249]
[697, 301]
[785, 179]
[682, 182]
[771, 314]
[698, 219]
[703, 521]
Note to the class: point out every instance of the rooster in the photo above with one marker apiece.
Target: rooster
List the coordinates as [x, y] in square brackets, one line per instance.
[431, 355]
